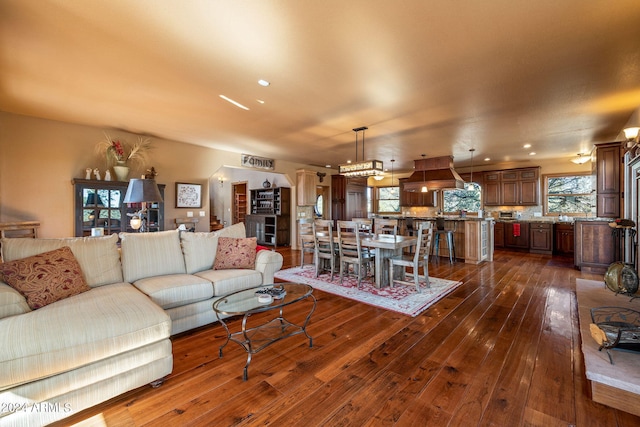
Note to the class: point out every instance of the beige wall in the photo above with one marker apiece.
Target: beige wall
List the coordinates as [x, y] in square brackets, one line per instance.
[39, 158]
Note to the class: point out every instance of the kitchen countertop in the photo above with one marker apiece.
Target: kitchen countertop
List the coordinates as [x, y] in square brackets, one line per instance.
[555, 221]
[543, 220]
[433, 218]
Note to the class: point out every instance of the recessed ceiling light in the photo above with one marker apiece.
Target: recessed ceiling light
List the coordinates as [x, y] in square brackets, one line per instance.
[327, 166]
[263, 82]
[533, 153]
[260, 101]
[486, 159]
[237, 104]
[527, 145]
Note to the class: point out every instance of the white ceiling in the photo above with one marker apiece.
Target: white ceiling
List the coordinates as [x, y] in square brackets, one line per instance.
[426, 77]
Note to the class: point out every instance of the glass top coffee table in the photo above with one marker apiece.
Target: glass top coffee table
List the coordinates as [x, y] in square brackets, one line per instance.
[256, 300]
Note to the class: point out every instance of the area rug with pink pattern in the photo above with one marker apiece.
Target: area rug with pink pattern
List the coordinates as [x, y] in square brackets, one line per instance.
[401, 298]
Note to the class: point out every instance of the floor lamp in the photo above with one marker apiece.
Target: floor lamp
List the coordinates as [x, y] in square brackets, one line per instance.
[141, 191]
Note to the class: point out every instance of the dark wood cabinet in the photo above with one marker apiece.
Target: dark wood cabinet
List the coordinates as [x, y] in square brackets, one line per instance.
[99, 204]
[348, 197]
[415, 198]
[541, 238]
[608, 179]
[269, 219]
[563, 239]
[595, 246]
[268, 229]
[515, 239]
[271, 201]
[491, 189]
[498, 235]
[512, 187]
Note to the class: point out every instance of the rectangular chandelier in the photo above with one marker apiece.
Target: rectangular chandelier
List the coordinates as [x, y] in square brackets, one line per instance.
[363, 168]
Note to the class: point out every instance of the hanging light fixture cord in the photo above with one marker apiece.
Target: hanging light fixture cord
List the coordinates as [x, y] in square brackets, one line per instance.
[392, 161]
[356, 130]
[471, 180]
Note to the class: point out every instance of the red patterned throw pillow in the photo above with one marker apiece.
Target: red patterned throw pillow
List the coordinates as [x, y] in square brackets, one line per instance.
[235, 253]
[45, 278]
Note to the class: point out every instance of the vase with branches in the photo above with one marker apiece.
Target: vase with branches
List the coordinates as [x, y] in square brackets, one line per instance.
[120, 155]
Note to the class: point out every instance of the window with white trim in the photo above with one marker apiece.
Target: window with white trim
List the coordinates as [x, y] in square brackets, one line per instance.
[570, 194]
[388, 199]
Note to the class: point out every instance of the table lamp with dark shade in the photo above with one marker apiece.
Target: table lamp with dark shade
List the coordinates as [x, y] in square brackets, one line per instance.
[141, 191]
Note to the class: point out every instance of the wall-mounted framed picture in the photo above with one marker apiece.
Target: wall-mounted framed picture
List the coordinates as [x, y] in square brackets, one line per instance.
[188, 195]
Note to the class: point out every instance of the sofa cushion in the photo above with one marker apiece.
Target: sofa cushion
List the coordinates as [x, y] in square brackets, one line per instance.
[235, 253]
[227, 281]
[11, 302]
[78, 331]
[98, 257]
[45, 278]
[151, 254]
[237, 230]
[199, 250]
[174, 290]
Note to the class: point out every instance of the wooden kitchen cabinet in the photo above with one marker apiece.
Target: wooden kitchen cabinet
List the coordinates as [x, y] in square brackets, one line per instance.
[512, 187]
[491, 192]
[477, 245]
[595, 246]
[563, 239]
[513, 241]
[416, 198]
[306, 187]
[498, 235]
[348, 198]
[541, 238]
[608, 179]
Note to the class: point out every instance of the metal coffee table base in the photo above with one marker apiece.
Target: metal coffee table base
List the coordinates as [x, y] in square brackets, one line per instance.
[253, 339]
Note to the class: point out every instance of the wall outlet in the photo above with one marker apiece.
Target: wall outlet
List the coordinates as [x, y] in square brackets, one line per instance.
[303, 214]
[189, 214]
[201, 213]
[537, 214]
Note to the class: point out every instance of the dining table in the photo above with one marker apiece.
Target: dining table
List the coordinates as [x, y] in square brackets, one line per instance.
[386, 246]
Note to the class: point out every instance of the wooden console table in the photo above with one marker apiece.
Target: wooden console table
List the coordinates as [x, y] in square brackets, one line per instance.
[19, 229]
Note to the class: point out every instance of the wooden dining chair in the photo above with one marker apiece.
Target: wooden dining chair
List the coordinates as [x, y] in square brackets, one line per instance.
[325, 249]
[420, 258]
[386, 226]
[350, 250]
[365, 226]
[307, 241]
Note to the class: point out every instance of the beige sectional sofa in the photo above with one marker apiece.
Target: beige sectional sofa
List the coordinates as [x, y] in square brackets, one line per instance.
[82, 350]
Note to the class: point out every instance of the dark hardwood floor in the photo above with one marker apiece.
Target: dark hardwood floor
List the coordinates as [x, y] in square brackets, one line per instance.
[501, 350]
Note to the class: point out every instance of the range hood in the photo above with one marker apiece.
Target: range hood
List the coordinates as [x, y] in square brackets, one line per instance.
[436, 174]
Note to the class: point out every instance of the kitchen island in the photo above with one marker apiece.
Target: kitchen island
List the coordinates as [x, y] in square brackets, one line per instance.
[472, 236]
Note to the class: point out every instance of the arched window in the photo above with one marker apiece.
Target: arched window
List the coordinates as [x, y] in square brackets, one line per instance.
[467, 199]
[319, 206]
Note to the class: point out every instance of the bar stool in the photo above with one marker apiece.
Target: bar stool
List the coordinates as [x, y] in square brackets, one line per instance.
[448, 235]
